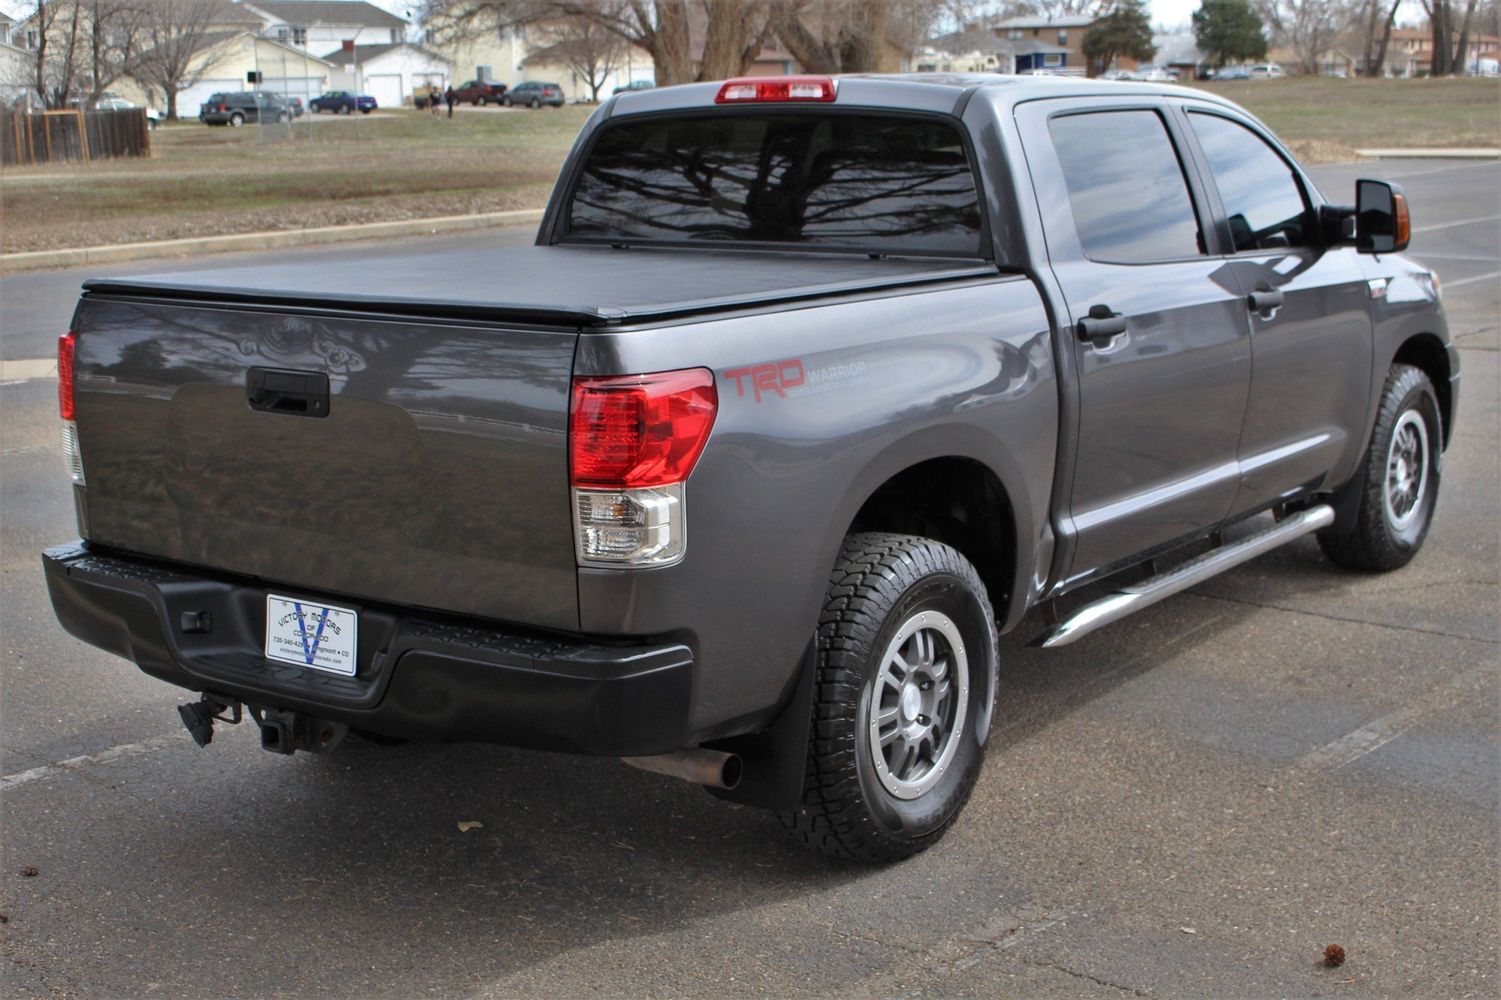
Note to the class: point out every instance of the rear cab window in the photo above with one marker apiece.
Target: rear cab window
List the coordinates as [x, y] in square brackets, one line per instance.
[1126, 186]
[861, 181]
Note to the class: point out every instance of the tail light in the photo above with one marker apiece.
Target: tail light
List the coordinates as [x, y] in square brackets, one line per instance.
[633, 441]
[72, 457]
[747, 90]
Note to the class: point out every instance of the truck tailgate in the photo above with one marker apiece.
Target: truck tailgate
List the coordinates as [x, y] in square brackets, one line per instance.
[437, 478]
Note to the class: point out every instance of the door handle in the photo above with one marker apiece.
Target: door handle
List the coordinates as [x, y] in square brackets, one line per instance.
[1265, 298]
[300, 394]
[1101, 324]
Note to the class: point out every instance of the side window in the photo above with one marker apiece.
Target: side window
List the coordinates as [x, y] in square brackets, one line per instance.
[1262, 198]
[1126, 187]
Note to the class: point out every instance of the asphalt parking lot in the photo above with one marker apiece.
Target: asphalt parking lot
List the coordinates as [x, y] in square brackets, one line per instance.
[1193, 802]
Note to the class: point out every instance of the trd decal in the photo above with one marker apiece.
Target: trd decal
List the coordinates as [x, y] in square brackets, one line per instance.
[776, 377]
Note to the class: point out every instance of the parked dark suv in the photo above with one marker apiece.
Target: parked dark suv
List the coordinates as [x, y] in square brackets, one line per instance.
[534, 95]
[237, 109]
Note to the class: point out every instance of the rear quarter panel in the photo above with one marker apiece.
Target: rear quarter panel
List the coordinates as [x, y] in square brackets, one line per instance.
[818, 406]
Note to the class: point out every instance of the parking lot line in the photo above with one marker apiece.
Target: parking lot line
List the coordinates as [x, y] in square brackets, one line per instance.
[145, 746]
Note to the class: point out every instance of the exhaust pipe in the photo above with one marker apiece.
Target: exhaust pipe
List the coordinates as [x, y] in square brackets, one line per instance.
[699, 765]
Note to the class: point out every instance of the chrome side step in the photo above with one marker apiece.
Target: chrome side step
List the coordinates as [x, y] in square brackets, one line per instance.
[1148, 592]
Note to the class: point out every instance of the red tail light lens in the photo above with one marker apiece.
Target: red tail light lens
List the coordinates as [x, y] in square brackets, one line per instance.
[776, 88]
[640, 430]
[65, 345]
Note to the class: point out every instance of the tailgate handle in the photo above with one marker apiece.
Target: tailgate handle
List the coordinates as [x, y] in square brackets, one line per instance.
[300, 394]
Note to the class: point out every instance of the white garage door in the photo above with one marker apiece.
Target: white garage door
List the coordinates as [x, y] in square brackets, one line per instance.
[305, 87]
[385, 88]
[189, 98]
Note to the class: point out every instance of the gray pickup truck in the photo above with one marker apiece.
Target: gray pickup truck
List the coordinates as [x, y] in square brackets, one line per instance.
[809, 389]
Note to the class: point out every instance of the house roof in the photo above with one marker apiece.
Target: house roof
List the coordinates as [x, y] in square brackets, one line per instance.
[213, 39]
[1066, 21]
[365, 53]
[345, 12]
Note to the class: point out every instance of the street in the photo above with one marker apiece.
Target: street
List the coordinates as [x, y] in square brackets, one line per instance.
[1193, 802]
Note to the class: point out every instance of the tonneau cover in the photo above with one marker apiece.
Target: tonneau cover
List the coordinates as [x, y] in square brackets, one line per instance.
[576, 285]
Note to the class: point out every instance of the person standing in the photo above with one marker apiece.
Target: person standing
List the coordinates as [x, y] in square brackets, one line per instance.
[448, 99]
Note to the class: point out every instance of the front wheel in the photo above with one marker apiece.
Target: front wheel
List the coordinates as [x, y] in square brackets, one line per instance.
[535, 104]
[506, 101]
[1398, 484]
[905, 688]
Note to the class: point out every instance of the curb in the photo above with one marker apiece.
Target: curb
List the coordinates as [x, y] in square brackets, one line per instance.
[1479, 153]
[41, 260]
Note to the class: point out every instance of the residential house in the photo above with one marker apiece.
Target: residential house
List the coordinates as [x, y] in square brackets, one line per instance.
[323, 26]
[230, 61]
[1411, 53]
[1061, 41]
[977, 50]
[1179, 51]
[388, 72]
[17, 67]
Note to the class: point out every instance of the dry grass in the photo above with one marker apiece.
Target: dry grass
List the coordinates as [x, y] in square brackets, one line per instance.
[205, 181]
[1340, 116]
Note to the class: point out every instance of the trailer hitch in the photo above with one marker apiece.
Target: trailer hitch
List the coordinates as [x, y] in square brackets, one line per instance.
[286, 732]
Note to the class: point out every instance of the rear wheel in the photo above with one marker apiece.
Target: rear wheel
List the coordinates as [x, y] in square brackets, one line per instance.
[1398, 484]
[534, 104]
[479, 102]
[506, 101]
[236, 120]
[905, 687]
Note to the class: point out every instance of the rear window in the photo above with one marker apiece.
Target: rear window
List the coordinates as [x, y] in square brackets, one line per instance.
[876, 183]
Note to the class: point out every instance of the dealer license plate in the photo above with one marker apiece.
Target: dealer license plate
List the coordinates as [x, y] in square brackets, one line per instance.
[311, 635]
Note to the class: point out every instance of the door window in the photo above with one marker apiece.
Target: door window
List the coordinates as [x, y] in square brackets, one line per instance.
[1262, 198]
[1126, 187]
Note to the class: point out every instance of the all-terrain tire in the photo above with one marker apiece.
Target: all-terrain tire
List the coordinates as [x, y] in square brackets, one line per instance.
[882, 586]
[1377, 539]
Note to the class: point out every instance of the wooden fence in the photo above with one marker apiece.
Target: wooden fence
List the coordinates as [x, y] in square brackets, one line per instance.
[59, 136]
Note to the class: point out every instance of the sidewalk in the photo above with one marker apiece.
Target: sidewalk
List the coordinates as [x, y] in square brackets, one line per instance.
[1433, 153]
[41, 260]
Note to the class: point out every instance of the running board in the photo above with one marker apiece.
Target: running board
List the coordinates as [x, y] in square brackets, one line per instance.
[1130, 599]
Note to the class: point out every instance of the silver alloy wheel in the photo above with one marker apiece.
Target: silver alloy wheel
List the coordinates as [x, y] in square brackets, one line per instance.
[918, 705]
[1406, 471]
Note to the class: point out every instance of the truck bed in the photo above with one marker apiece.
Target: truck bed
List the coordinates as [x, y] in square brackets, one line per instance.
[563, 285]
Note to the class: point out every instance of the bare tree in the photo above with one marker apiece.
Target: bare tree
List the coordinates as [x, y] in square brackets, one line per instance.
[855, 36]
[591, 51]
[114, 40]
[1378, 18]
[1308, 27]
[178, 45]
[733, 31]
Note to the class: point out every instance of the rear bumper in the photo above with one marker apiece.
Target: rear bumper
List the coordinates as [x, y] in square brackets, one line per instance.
[418, 676]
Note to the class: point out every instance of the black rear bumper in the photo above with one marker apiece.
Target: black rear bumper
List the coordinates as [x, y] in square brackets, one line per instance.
[417, 676]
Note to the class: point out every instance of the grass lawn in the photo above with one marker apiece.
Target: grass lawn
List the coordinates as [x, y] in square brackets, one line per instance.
[204, 181]
[1327, 119]
[324, 170]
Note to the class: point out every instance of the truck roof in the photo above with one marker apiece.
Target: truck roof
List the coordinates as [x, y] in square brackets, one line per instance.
[919, 91]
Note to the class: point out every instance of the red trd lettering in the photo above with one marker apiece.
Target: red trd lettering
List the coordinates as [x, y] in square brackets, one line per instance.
[776, 377]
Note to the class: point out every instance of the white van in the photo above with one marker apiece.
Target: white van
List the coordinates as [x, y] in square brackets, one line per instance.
[1267, 71]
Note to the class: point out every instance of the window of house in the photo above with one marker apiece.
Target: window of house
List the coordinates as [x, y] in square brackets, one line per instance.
[1015, 34]
[1262, 198]
[1052, 60]
[299, 36]
[1062, 38]
[1132, 205]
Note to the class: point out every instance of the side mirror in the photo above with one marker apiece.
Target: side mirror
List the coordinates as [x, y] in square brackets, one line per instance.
[1382, 224]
